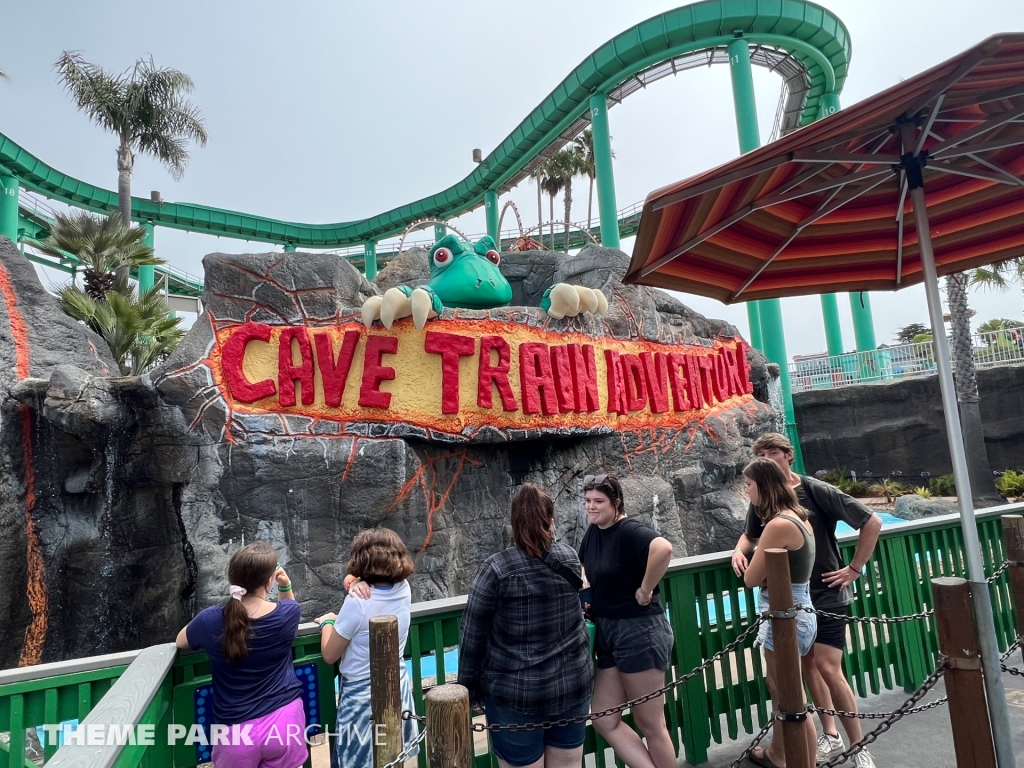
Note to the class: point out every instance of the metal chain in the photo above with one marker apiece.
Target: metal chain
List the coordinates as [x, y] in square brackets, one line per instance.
[877, 715]
[410, 715]
[406, 753]
[867, 619]
[481, 727]
[757, 740]
[904, 709]
[999, 572]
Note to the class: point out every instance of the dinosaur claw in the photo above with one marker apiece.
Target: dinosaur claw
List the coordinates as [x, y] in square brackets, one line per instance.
[394, 306]
[422, 308]
[565, 301]
[371, 310]
[602, 303]
[588, 301]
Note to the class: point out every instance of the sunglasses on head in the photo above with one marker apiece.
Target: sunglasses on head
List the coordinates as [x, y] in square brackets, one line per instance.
[596, 479]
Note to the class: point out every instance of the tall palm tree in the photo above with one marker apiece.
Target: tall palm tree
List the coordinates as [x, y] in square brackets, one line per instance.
[965, 381]
[144, 106]
[566, 165]
[103, 246]
[552, 184]
[538, 176]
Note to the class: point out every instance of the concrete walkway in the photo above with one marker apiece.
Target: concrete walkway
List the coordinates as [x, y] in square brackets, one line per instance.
[917, 741]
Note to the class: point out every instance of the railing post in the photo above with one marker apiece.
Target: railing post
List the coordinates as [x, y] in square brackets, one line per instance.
[1013, 537]
[449, 736]
[385, 690]
[958, 643]
[789, 686]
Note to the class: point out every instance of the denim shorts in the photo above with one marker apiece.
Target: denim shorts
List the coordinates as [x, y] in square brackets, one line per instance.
[518, 748]
[806, 623]
[635, 644]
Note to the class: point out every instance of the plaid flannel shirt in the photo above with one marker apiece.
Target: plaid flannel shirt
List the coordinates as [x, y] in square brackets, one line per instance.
[523, 638]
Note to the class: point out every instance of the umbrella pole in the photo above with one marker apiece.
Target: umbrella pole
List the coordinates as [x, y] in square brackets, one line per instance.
[994, 691]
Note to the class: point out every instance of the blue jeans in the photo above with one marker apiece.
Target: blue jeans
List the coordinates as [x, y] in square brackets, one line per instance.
[518, 748]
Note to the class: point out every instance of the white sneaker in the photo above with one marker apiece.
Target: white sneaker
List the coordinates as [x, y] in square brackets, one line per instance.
[828, 746]
[863, 760]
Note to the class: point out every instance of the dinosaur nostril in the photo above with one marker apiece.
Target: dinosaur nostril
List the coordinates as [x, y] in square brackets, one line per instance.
[478, 281]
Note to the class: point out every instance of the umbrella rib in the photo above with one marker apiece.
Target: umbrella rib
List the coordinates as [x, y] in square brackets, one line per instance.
[998, 169]
[839, 181]
[899, 240]
[987, 146]
[973, 173]
[931, 121]
[988, 125]
[710, 186]
[821, 211]
[694, 242]
[845, 157]
[965, 68]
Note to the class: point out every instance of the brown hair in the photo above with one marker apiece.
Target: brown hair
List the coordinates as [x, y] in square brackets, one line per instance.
[250, 568]
[610, 486]
[775, 495]
[770, 440]
[379, 556]
[533, 513]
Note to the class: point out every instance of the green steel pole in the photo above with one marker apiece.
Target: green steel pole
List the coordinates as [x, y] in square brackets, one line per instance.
[829, 104]
[773, 334]
[863, 324]
[606, 209]
[370, 259]
[147, 273]
[491, 206]
[440, 230]
[289, 248]
[9, 207]
[750, 139]
[833, 331]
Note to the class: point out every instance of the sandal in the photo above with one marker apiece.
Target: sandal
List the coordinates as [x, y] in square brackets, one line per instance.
[761, 759]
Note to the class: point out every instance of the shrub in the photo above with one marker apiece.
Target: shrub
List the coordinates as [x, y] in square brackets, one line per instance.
[889, 489]
[942, 485]
[923, 492]
[1011, 484]
[852, 487]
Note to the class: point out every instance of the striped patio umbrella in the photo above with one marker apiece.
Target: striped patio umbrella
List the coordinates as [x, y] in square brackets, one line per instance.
[923, 179]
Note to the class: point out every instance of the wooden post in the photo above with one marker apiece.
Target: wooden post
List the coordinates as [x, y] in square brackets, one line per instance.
[965, 687]
[385, 690]
[788, 679]
[1013, 537]
[449, 736]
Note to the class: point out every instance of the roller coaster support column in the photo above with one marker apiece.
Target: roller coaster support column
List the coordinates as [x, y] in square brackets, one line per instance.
[769, 311]
[146, 273]
[370, 259]
[607, 211]
[440, 230]
[9, 208]
[289, 248]
[833, 331]
[750, 139]
[491, 206]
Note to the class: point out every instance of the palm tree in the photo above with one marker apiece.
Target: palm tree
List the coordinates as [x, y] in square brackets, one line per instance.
[135, 326]
[965, 381]
[552, 184]
[566, 165]
[103, 246]
[144, 107]
[538, 176]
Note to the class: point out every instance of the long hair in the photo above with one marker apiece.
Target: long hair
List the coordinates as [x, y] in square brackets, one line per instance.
[251, 567]
[533, 513]
[610, 486]
[775, 495]
[379, 556]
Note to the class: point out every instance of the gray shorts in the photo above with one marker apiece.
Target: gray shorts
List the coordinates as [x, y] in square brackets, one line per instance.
[633, 645]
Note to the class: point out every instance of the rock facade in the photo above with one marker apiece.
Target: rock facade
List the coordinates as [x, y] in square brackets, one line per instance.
[147, 485]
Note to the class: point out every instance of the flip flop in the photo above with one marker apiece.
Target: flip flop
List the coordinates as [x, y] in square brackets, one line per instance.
[763, 760]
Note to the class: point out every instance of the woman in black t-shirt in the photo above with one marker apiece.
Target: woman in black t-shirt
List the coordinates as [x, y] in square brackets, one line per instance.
[624, 561]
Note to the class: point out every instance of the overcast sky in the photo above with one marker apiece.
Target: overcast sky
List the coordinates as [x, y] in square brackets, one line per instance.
[327, 111]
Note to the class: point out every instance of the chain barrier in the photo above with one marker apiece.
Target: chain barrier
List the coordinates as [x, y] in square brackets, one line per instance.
[1009, 652]
[999, 571]
[409, 715]
[908, 707]
[867, 619]
[406, 753]
[757, 740]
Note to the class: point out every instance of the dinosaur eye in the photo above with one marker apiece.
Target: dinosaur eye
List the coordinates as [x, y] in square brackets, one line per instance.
[442, 256]
[493, 256]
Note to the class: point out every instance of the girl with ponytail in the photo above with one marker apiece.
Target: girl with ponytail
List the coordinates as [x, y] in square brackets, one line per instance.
[249, 643]
[524, 654]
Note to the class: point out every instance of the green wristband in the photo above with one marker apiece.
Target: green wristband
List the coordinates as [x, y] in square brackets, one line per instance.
[326, 623]
[285, 589]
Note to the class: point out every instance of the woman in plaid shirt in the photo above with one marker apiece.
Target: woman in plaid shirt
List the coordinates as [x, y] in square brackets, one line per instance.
[524, 653]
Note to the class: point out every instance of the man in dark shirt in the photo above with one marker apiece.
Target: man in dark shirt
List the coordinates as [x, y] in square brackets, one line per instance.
[826, 505]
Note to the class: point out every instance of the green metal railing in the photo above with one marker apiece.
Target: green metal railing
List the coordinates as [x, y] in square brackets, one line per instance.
[708, 607]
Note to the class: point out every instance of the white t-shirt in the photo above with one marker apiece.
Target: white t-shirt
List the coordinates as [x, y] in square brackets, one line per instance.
[353, 623]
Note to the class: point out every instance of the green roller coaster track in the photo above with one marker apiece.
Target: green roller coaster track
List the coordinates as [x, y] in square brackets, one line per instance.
[805, 43]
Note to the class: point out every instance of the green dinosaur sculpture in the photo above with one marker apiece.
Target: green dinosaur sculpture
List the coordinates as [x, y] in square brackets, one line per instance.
[467, 276]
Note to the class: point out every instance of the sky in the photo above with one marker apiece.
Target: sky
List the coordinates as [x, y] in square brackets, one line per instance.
[323, 111]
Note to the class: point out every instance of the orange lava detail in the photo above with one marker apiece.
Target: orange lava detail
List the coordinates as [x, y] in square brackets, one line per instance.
[35, 632]
[430, 495]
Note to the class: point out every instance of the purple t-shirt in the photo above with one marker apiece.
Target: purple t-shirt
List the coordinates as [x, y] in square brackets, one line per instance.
[266, 679]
